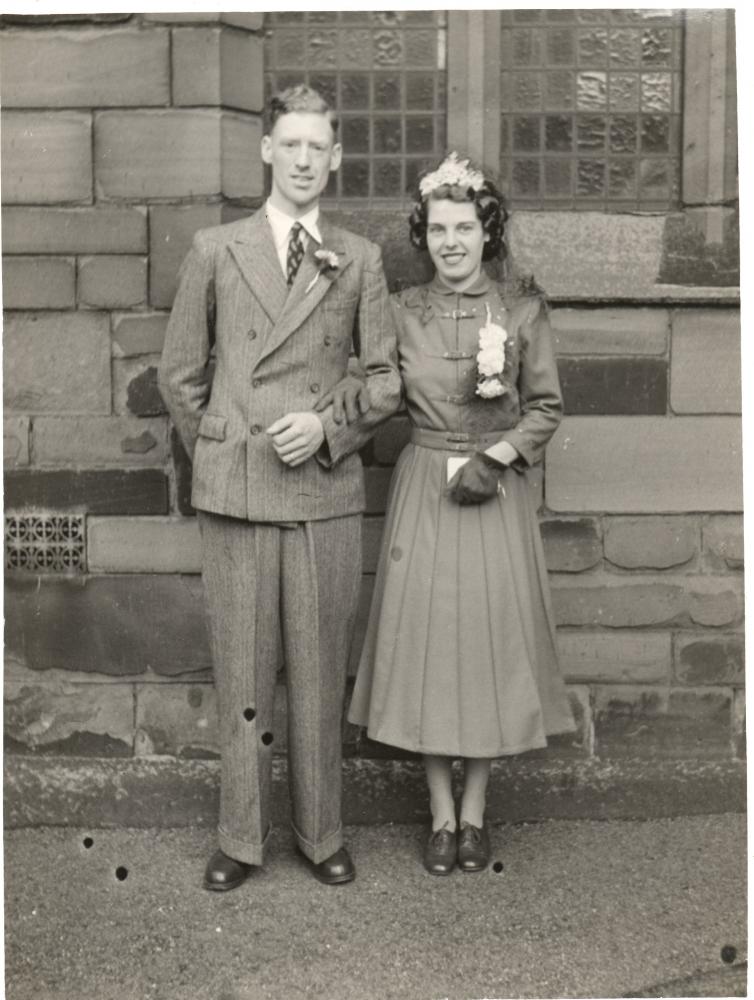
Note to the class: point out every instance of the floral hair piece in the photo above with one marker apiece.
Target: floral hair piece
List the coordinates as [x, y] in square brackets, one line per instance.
[454, 173]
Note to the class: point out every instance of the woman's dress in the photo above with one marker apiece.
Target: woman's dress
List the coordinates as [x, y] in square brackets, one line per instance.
[459, 657]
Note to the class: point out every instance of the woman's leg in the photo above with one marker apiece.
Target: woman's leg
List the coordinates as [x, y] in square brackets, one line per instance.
[476, 775]
[439, 780]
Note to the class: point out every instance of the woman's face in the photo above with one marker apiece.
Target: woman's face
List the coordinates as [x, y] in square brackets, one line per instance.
[455, 240]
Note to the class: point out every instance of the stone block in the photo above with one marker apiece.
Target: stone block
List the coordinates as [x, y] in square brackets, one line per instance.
[143, 545]
[171, 230]
[57, 363]
[92, 491]
[242, 170]
[645, 465]
[196, 66]
[15, 441]
[723, 542]
[135, 389]
[705, 370]
[69, 69]
[24, 20]
[47, 157]
[571, 544]
[113, 625]
[137, 334]
[371, 538]
[97, 441]
[651, 542]
[615, 657]
[157, 154]
[177, 719]
[112, 281]
[360, 627]
[241, 71]
[622, 331]
[709, 659]
[39, 282]
[642, 601]
[377, 485]
[183, 474]
[75, 230]
[64, 718]
[615, 385]
[638, 721]
[390, 439]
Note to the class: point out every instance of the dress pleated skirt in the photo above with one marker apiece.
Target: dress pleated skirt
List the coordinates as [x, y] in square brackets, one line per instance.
[459, 657]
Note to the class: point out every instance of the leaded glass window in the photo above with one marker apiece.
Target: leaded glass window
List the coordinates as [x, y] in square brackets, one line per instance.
[384, 71]
[591, 108]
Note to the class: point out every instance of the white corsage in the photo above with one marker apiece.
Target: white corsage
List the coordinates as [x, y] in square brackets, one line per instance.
[491, 359]
[328, 262]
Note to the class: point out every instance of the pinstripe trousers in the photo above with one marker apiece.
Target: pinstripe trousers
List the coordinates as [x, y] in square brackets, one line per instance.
[270, 588]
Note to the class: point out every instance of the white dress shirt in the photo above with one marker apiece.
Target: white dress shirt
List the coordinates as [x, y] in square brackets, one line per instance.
[281, 224]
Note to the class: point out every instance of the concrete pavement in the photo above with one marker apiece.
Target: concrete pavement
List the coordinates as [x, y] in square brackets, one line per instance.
[579, 909]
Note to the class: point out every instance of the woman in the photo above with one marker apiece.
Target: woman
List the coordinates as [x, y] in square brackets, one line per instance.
[459, 658]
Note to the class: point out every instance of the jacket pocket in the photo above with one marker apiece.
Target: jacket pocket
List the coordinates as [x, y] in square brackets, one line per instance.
[213, 426]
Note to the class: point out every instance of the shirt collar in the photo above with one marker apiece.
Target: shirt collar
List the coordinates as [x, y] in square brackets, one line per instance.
[281, 223]
[480, 287]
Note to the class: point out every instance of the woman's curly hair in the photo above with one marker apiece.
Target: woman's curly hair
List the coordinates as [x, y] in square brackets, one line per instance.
[491, 210]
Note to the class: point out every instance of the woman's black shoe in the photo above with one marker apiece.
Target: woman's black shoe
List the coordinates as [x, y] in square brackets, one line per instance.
[440, 852]
[473, 848]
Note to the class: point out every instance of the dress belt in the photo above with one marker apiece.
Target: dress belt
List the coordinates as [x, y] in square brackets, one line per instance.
[452, 440]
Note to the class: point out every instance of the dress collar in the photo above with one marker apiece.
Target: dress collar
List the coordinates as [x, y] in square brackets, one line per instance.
[481, 286]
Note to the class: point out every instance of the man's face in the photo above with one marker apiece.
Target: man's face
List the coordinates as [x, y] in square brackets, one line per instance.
[301, 150]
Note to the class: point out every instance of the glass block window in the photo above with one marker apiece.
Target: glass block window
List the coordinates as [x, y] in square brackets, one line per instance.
[384, 71]
[591, 108]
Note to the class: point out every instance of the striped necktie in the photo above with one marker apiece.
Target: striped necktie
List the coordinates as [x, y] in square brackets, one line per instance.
[295, 252]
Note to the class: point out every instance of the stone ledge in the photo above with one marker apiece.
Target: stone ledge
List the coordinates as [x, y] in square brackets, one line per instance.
[168, 793]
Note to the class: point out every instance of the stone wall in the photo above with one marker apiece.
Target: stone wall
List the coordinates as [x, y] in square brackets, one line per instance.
[123, 134]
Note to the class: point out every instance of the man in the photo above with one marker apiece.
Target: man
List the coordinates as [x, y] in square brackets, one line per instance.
[278, 487]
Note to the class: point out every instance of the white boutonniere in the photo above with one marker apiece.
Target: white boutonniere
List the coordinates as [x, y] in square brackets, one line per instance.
[328, 264]
[491, 359]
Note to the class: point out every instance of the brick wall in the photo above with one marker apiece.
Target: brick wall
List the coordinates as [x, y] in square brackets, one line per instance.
[122, 134]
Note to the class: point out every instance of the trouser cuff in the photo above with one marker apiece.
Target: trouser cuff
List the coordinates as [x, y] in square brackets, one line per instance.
[242, 850]
[321, 850]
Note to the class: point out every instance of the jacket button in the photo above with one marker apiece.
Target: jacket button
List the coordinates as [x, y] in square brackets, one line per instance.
[256, 383]
[314, 387]
[328, 341]
[255, 428]
[252, 334]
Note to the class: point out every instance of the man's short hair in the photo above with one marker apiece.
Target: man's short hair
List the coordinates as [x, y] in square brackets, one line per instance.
[304, 98]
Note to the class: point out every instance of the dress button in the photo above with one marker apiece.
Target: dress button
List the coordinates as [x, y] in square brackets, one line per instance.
[252, 334]
[256, 383]
[255, 428]
[328, 341]
[314, 387]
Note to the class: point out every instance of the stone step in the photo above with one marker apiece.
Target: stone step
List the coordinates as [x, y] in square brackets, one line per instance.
[166, 792]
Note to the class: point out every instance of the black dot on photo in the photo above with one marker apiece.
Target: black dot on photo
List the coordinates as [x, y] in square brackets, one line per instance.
[88, 842]
[121, 873]
[249, 714]
[266, 739]
[728, 953]
[497, 867]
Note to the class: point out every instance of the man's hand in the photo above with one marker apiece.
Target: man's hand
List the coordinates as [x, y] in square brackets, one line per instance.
[349, 399]
[296, 437]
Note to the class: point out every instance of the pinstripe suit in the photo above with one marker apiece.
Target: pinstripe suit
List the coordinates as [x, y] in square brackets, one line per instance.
[281, 545]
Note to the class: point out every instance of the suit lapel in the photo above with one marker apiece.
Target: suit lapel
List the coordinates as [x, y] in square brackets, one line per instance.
[306, 293]
[256, 256]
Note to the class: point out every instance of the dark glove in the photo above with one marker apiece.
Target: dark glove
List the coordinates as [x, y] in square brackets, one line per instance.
[477, 480]
[349, 399]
